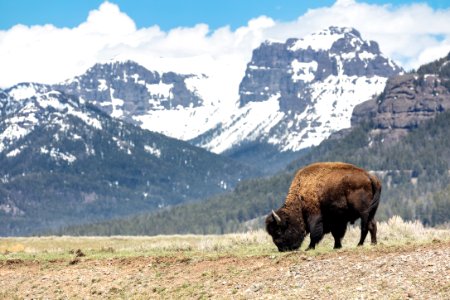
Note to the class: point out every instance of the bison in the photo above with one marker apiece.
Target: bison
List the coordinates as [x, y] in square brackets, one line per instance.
[323, 198]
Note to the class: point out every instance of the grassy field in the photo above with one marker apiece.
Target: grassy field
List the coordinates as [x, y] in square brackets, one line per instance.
[217, 266]
[392, 233]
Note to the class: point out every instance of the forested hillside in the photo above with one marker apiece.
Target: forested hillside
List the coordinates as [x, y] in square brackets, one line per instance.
[66, 162]
[414, 172]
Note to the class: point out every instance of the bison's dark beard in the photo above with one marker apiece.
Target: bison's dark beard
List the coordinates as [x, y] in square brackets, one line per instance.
[286, 248]
[287, 234]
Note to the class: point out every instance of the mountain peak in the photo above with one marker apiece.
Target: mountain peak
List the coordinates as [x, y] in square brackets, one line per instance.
[127, 90]
[325, 39]
[342, 30]
[313, 83]
[123, 70]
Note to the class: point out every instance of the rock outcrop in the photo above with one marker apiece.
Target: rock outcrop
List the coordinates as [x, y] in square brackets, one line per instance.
[406, 101]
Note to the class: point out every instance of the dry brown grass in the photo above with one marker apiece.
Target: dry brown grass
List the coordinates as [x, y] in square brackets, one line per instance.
[391, 233]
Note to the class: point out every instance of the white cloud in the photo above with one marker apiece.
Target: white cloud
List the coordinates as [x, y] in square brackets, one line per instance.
[48, 54]
[410, 34]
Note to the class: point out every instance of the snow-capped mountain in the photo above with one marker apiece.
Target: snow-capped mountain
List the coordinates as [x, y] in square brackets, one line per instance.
[30, 106]
[169, 103]
[64, 161]
[295, 94]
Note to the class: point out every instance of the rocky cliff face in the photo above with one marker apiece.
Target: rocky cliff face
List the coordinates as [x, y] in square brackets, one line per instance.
[127, 90]
[295, 94]
[407, 101]
[289, 68]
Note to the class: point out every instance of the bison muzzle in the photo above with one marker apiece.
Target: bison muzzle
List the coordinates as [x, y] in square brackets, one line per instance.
[323, 198]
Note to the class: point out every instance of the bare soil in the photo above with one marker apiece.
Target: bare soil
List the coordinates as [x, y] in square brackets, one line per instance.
[396, 272]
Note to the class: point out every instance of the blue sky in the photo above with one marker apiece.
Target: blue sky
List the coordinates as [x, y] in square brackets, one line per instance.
[168, 14]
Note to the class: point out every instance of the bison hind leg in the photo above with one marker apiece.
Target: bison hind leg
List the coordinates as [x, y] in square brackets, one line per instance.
[365, 224]
[366, 227]
[338, 232]
[373, 231]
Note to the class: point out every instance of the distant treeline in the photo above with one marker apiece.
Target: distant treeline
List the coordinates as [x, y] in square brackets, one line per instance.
[439, 67]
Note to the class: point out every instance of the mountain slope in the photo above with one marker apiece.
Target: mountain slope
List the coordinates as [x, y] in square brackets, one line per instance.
[65, 162]
[295, 94]
[414, 168]
[152, 100]
[416, 185]
[292, 96]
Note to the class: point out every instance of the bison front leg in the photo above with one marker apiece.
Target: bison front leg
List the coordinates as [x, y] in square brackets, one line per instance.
[316, 231]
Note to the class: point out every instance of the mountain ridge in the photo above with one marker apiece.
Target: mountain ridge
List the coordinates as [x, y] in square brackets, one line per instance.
[414, 169]
[297, 92]
[65, 162]
[292, 96]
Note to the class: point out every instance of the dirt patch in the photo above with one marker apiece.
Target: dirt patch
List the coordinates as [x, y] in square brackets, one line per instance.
[411, 271]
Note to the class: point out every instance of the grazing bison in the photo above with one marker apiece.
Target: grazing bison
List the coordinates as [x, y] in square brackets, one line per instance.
[323, 198]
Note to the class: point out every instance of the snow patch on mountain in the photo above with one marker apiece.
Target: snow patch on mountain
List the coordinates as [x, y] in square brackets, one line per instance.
[58, 155]
[327, 114]
[153, 150]
[116, 104]
[38, 105]
[303, 71]
[125, 146]
[16, 128]
[91, 121]
[103, 86]
[249, 123]
[320, 41]
[13, 153]
[23, 91]
[161, 90]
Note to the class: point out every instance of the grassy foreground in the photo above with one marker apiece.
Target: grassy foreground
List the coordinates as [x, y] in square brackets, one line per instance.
[410, 262]
[394, 232]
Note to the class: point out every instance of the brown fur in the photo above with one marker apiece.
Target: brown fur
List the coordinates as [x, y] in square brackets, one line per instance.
[323, 198]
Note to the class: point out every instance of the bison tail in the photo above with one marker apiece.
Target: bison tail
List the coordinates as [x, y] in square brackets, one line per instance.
[376, 192]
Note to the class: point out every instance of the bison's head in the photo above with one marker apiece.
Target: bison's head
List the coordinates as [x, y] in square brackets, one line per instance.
[287, 229]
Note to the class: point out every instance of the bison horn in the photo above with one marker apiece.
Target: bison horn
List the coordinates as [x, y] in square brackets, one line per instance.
[276, 217]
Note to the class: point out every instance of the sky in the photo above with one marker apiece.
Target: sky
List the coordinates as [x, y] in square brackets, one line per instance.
[170, 14]
[48, 41]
